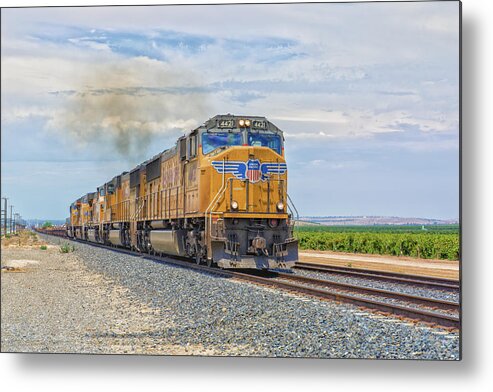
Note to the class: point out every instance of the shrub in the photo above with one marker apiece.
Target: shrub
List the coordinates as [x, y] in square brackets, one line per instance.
[66, 248]
[43, 247]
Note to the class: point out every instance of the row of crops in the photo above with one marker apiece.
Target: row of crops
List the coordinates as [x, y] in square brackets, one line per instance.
[379, 228]
[432, 244]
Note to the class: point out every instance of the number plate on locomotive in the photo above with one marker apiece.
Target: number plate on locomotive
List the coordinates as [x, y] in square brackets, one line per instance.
[259, 124]
[226, 123]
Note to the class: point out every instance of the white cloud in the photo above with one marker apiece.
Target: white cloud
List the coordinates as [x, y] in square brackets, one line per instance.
[313, 116]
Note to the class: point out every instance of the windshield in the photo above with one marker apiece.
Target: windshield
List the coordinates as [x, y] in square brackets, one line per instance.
[211, 141]
[265, 140]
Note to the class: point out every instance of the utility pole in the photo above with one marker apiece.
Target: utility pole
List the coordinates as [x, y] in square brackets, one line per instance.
[11, 208]
[5, 216]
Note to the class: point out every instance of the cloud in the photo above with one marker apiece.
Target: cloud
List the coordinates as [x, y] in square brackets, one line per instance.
[363, 124]
[128, 43]
[314, 116]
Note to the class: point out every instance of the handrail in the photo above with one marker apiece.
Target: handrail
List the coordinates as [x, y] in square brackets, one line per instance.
[209, 209]
[139, 207]
[158, 204]
[291, 205]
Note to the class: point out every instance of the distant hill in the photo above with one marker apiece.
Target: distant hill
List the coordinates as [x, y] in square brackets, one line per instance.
[371, 220]
[326, 221]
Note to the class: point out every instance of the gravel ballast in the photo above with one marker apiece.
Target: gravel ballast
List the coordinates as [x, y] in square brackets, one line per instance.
[99, 301]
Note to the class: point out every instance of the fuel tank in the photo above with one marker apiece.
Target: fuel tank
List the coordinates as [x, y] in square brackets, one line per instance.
[168, 241]
[91, 235]
[114, 237]
[78, 233]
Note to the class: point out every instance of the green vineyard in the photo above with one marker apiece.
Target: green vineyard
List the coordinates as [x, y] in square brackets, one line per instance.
[396, 241]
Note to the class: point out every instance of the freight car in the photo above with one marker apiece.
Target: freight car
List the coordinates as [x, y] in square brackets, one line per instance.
[218, 196]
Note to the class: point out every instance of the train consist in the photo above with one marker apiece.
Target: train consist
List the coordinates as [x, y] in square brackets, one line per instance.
[218, 196]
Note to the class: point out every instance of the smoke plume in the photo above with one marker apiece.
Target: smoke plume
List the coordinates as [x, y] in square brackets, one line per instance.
[122, 108]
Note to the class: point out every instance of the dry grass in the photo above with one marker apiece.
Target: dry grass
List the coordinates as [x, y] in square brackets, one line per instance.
[24, 238]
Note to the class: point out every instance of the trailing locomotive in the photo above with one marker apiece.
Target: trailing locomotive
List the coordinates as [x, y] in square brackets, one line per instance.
[218, 196]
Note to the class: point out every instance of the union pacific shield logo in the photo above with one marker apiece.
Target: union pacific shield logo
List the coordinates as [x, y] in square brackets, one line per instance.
[251, 170]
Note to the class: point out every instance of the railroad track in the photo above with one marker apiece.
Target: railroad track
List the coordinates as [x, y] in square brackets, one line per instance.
[320, 288]
[417, 280]
[449, 308]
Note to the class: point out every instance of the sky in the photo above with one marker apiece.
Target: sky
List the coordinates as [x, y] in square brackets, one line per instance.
[367, 95]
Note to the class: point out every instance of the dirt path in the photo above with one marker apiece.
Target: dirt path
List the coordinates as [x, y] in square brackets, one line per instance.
[408, 265]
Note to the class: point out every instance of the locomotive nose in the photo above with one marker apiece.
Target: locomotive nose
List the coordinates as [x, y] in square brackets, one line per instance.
[254, 180]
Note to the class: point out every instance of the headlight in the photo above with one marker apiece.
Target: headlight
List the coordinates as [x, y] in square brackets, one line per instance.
[280, 206]
[234, 205]
[244, 123]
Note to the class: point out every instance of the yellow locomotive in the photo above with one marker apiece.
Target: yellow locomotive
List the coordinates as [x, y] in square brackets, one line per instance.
[218, 196]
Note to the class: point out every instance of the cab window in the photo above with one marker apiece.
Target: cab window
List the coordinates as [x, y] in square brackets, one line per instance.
[213, 140]
[192, 146]
[265, 140]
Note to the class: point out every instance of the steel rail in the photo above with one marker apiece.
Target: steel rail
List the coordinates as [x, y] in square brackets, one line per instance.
[425, 281]
[429, 302]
